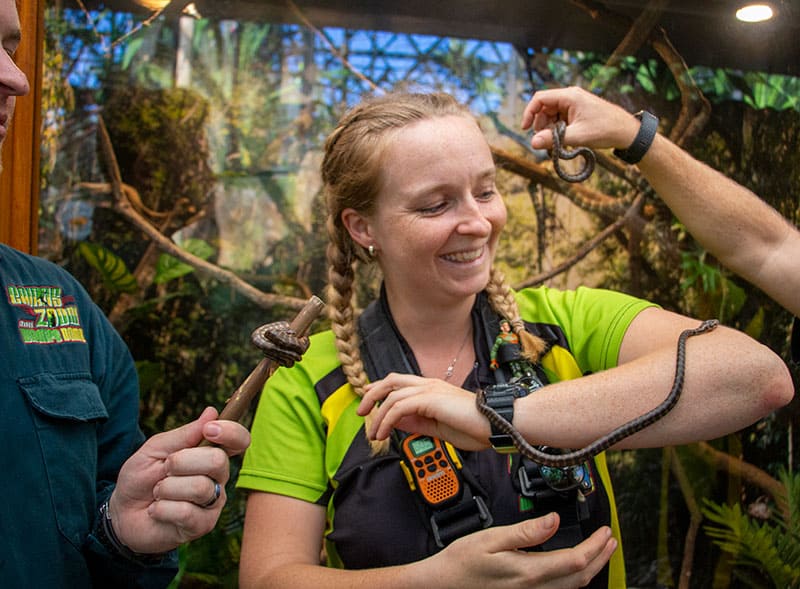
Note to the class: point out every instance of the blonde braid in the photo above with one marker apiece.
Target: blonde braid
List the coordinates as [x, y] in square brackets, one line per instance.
[341, 276]
[503, 302]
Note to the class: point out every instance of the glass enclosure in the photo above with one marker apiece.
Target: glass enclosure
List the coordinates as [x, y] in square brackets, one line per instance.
[200, 135]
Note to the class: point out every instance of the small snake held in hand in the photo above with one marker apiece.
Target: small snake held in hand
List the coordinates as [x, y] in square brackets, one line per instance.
[559, 153]
[604, 442]
[279, 342]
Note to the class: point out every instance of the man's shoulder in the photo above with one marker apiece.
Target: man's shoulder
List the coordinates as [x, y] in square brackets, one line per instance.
[14, 260]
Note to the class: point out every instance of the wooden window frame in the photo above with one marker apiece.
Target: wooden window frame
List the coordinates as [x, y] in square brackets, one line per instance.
[20, 180]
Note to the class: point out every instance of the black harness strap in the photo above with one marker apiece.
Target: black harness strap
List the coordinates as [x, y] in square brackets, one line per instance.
[570, 505]
[383, 350]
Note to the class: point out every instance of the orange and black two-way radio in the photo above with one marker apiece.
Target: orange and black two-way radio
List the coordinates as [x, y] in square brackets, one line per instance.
[431, 467]
[452, 505]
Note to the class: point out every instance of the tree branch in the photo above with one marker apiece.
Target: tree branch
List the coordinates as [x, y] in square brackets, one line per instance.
[587, 248]
[262, 299]
[748, 472]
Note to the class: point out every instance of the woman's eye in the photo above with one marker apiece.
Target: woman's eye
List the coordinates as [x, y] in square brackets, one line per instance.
[433, 209]
[487, 194]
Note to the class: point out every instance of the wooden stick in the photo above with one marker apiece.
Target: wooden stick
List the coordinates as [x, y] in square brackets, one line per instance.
[239, 403]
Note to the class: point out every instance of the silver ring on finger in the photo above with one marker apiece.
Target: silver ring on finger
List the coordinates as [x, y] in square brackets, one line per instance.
[213, 500]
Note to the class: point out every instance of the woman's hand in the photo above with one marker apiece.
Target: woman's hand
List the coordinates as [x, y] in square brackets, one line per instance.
[494, 558]
[425, 405]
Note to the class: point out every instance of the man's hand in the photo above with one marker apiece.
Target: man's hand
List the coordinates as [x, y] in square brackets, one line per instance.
[171, 491]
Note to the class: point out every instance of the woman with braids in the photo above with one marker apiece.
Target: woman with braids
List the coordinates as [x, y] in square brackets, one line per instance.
[410, 185]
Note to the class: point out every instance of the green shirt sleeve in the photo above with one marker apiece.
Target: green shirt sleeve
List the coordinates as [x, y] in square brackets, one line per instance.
[287, 451]
[593, 321]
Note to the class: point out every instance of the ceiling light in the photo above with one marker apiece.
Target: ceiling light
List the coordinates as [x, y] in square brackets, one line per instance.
[754, 13]
[153, 4]
[156, 5]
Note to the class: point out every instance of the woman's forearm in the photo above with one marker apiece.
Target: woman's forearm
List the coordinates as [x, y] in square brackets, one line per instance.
[730, 382]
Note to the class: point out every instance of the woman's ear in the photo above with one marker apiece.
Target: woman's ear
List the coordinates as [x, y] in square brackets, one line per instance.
[358, 227]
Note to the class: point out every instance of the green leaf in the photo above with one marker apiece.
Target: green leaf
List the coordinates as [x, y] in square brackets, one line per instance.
[170, 268]
[131, 48]
[112, 269]
[645, 78]
[772, 549]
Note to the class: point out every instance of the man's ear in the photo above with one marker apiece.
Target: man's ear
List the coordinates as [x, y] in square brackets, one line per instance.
[359, 228]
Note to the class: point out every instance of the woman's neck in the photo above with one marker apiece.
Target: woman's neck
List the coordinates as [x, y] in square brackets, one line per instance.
[441, 338]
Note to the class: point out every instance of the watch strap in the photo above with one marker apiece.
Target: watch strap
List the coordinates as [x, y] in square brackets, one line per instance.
[643, 140]
[501, 399]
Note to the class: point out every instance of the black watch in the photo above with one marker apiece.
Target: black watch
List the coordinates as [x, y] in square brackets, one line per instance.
[500, 397]
[643, 141]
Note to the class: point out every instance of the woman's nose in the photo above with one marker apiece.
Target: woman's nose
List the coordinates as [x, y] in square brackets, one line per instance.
[472, 219]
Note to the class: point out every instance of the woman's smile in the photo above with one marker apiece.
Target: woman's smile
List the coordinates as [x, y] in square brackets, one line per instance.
[465, 256]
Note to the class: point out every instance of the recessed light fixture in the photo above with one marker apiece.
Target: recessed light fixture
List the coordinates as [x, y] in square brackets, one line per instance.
[755, 13]
[153, 4]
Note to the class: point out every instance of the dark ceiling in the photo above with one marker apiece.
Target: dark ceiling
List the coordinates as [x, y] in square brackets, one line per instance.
[704, 32]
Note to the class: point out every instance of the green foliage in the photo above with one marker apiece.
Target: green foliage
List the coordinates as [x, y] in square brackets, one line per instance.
[771, 547]
[170, 268]
[717, 295]
[757, 90]
[132, 47]
[159, 141]
[112, 268]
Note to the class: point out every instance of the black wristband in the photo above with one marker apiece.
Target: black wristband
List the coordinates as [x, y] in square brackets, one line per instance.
[500, 397]
[104, 532]
[643, 141]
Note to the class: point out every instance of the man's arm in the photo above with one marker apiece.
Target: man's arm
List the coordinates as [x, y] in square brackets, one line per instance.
[742, 231]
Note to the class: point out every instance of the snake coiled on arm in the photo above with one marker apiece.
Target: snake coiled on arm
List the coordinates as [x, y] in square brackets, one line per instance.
[604, 442]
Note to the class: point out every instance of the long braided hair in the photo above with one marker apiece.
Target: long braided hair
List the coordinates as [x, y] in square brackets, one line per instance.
[354, 155]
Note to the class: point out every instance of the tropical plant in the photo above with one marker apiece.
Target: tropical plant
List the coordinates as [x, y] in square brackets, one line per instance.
[770, 546]
[249, 124]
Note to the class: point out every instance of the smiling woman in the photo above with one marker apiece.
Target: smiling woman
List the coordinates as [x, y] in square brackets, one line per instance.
[437, 220]
[410, 186]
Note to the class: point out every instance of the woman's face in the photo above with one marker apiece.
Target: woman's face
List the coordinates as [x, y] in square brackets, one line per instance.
[438, 215]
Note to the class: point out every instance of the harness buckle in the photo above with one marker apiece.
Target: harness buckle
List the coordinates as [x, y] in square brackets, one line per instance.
[468, 515]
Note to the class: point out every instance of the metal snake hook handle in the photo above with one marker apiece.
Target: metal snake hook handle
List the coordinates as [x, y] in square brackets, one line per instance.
[239, 404]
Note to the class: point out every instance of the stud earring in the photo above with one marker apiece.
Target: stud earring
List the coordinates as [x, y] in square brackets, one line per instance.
[371, 250]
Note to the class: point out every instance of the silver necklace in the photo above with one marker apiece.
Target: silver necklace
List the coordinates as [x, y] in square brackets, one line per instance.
[448, 374]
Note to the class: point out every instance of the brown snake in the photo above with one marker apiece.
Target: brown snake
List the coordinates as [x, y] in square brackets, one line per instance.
[559, 153]
[604, 442]
[279, 342]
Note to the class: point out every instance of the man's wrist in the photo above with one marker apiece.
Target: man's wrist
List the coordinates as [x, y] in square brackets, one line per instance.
[648, 128]
[105, 534]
